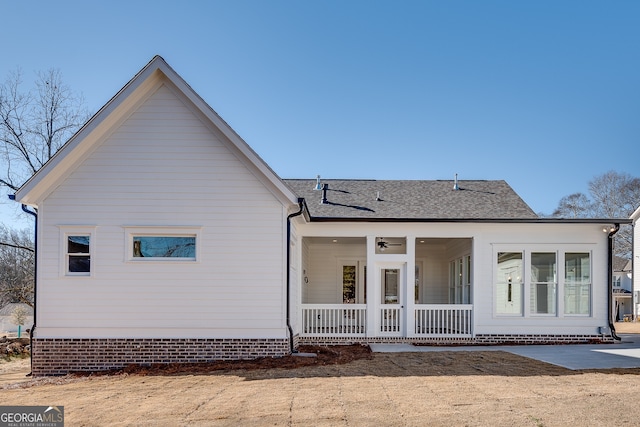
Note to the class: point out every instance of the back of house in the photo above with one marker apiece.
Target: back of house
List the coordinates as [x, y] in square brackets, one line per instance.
[163, 237]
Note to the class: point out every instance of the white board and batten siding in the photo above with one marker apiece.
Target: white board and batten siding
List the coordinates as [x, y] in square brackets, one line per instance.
[164, 167]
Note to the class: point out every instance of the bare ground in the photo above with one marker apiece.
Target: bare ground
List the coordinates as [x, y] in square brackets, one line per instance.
[358, 388]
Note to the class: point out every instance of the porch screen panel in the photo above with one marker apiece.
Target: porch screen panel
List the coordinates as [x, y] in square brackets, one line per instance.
[509, 283]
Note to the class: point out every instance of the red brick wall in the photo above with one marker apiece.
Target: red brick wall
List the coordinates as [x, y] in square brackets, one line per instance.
[59, 356]
[488, 339]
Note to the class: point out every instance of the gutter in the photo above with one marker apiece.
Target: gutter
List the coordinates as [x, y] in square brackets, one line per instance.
[35, 276]
[610, 282]
[301, 205]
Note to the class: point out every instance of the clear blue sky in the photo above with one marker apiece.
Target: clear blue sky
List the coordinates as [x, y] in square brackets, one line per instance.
[542, 94]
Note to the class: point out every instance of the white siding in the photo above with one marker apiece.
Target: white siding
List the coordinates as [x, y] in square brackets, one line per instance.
[636, 265]
[164, 167]
[325, 277]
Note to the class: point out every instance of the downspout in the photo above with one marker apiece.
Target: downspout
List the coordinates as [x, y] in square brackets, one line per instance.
[35, 276]
[610, 282]
[301, 205]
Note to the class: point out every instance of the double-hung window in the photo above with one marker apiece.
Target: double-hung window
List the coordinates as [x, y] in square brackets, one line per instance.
[509, 283]
[77, 249]
[577, 283]
[543, 283]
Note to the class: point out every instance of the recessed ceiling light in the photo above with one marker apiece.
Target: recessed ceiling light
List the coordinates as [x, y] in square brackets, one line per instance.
[335, 241]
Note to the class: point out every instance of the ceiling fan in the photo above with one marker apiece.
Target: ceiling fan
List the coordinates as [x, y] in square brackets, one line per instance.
[383, 244]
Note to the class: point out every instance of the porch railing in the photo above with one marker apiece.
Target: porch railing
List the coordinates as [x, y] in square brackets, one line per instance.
[430, 320]
[443, 320]
[390, 319]
[334, 320]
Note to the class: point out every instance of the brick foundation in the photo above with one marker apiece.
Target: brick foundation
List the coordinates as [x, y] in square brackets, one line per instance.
[59, 356]
[486, 339]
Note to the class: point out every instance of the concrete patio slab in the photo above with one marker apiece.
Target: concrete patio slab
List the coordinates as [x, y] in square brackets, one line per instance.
[623, 354]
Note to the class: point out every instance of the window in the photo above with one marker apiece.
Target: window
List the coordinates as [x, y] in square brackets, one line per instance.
[162, 243]
[348, 284]
[543, 283]
[164, 247]
[78, 254]
[466, 298]
[577, 283]
[509, 283]
[460, 280]
[76, 248]
[542, 280]
[353, 281]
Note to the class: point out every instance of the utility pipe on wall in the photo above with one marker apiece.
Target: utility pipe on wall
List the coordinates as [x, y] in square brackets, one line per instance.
[288, 243]
[612, 327]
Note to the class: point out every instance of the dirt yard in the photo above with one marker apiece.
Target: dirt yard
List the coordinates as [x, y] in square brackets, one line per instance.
[403, 389]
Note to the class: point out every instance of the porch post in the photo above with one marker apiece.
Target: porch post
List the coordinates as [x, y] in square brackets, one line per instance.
[410, 285]
[372, 312]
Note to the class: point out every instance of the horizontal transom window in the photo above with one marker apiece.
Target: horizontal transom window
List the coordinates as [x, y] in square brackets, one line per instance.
[163, 244]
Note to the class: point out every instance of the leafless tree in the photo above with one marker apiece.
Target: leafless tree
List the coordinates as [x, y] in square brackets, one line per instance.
[34, 124]
[613, 195]
[576, 205]
[17, 261]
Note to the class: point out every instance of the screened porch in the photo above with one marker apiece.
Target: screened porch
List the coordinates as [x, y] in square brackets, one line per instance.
[422, 291]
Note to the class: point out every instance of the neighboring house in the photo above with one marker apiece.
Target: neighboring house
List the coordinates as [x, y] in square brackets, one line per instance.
[162, 237]
[635, 260]
[622, 289]
[7, 319]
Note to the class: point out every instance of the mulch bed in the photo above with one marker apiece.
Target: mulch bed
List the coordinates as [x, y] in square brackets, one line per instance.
[333, 355]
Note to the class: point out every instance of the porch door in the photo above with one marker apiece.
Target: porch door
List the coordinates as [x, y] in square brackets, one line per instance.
[391, 300]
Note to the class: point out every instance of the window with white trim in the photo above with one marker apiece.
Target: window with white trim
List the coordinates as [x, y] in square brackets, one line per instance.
[577, 283]
[460, 280]
[163, 244]
[617, 281]
[77, 245]
[542, 280]
[509, 283]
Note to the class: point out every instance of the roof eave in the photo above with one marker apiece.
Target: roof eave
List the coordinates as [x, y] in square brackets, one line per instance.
[480, 220]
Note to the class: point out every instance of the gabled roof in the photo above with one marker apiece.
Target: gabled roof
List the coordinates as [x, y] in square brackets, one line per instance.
[635, 216]
[621, 264]
[412, 200]
[154, 74]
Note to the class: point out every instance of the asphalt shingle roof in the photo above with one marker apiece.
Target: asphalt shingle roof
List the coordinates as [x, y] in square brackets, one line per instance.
[411, 200]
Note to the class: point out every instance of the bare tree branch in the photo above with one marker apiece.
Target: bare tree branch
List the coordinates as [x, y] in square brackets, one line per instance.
[613, 195]
[17, 246]
[35, 124]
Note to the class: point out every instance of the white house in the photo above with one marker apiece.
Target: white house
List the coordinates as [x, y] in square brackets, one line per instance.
[163, 237]
[622, 289]
[635, 261]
